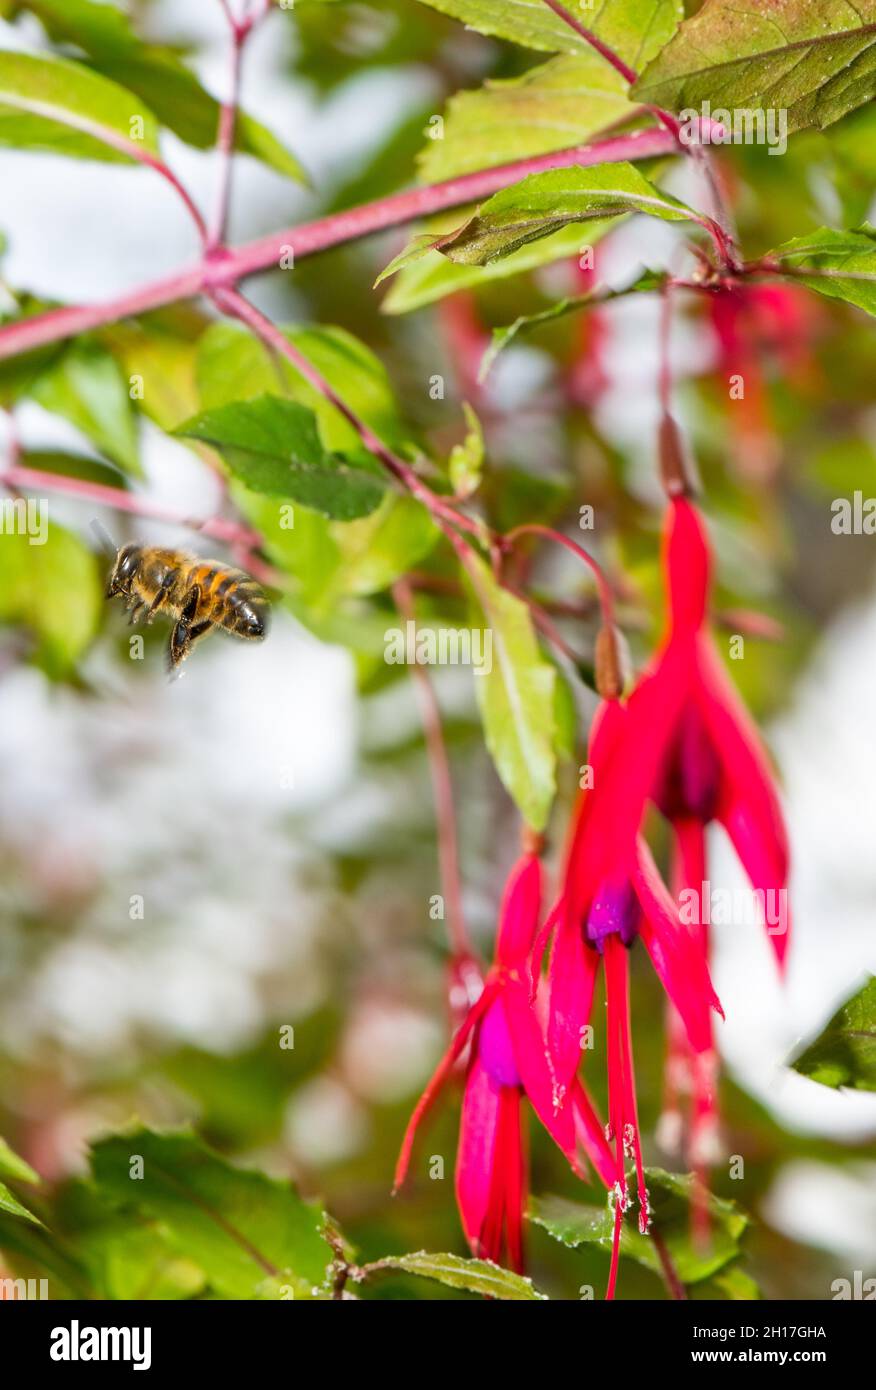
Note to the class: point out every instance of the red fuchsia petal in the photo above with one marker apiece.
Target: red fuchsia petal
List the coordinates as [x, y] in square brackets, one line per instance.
[590, 1133]
[495, 1048]
[572, 976]
[689, 871]
[749, 807]
[677, 956]
[616, 1093]
[512, 1165]
[680, 1072]
[652, 718]
[687, 566]
[477, 1196]
[521, 905]
[617, 990]
[590, 846]
[437, 1081]
[619, 1208]
[540, 945]
[530, 1051]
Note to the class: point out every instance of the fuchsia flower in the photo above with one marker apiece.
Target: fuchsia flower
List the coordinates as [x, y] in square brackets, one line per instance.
[707, 761]
[612, 893]
[507, 1060]
[704, 762]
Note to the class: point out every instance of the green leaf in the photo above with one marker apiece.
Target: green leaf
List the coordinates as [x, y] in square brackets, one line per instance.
[575, 1224]
[51, 104]
[52, 588]
[157, 75]
[10, 1204]
[466, 459]
[233, 366]
[11, 1166]
[332, 560]
[433, 277]
[813, 61]
[86, 387]
[844, 1054]
[237, 1225]
[161, 349]
[123, 1254]
[67, 465]
[478, 1276]
[558, 104]
[273, 446]
[543, 203]
[840, 265]
[29, 1246]
[503, 337]
[852, 147]
[635, 29]
[735, 1285]
[565, 717]
[516, 699]
[374, 552]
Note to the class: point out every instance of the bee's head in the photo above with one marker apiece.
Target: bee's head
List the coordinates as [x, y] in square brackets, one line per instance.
[126, 566]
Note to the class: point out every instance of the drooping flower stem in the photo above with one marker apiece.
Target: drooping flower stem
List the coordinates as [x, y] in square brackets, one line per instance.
[534, 528]
[442, 789]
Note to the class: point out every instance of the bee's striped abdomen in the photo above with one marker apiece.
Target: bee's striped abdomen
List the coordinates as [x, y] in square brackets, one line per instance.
[232, 600]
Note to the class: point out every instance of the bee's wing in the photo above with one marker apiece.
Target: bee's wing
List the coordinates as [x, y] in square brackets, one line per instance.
[104, 539]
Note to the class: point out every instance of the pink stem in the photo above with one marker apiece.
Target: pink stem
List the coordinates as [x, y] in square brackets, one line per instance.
[240, 32]
[233, 303]
[225, 267]
[167, 173]
[442, 788]
[36, 480]
[629, 74]
[721, 228]
[626, 72]
[534, 528]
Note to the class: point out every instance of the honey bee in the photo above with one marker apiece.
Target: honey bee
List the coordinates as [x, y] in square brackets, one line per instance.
[199, 595]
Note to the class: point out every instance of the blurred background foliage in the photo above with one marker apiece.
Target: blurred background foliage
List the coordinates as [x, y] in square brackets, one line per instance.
[274, 809]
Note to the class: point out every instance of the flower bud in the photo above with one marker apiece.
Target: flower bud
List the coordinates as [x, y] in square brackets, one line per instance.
[677, 468]
[611, 662]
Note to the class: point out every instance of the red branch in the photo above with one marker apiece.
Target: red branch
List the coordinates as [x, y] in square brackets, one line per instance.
[16, 475]
[223, 267]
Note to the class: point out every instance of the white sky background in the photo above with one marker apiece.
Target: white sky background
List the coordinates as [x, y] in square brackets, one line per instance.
[79, 231]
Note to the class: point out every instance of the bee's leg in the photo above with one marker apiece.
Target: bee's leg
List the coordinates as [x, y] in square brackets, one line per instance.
[135, 613]
[181, 643]
[163, 592]
[182, 635]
